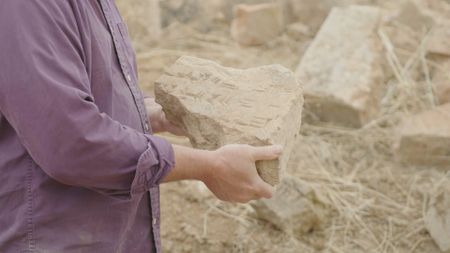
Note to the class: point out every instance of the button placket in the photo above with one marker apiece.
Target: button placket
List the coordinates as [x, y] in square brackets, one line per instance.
[137, 97]
[139, 102]
[155, 208]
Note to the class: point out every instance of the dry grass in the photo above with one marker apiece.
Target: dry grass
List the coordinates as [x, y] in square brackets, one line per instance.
[376, 203]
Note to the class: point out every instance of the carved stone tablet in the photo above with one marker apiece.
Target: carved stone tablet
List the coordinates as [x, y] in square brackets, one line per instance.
[218, 105]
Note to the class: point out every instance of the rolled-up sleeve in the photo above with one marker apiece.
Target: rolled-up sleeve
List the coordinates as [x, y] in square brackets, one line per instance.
[158, 150]
[45, 95]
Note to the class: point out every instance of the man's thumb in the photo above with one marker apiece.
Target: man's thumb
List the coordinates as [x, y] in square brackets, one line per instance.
[267, 152]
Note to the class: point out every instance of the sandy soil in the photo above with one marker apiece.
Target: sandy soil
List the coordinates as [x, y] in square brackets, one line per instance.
[375, 202]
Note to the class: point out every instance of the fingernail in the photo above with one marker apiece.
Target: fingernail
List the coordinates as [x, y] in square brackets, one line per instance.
[278, 149]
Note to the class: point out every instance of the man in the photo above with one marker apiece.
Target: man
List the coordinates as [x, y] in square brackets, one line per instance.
[79, 168]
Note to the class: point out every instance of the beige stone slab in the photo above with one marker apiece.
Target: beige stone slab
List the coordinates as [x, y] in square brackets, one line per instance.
[256, 24]
[342, 69]
[298, 31]
[425, 138]
[218, 105]
[309, 12]
[441, 81]
[437, 218]
[415, 17]
[439, 39]
[294, 208]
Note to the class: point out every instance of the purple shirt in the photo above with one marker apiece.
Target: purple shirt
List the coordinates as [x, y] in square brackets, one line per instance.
[79, 170]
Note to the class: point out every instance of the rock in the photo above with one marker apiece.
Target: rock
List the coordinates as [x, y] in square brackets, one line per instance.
[227, 7]
[342, 69]
[439, 40]
[437, 218]
[198, 14]
[256, 24]
[144, 21]
[298, 31]
[183, 11]
[425, 138]
[218, 105]
[441, 81]
[414, 17]
[310, 12]
[405, 30]
[294, 208]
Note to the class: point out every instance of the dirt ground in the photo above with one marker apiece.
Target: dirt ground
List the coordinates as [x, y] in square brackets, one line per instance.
[375, 203]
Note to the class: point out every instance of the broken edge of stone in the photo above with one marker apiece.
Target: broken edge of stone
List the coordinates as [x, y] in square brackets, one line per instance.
[295, 208]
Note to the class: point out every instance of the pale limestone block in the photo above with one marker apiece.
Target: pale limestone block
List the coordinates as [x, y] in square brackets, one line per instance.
[218, 105]
[310, 12]
[342, 69]
[256, 24]
[439, 40]
[425, 138]
[437, 218]
[415, 17]
[298, 31]
[441, 81]
[294, 208]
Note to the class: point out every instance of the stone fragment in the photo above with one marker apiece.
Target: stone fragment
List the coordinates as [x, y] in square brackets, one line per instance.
[182, 11]
[439, 40]
[198, 14]
[144, 20]
[405, 31]
[310, 12]
[256, 24]
[414, 17]
[298, 31]
[294, 208]
[227, 7]
[437, 218]
[425, 138]
[441, 81]
[218, 105]
[342, 69]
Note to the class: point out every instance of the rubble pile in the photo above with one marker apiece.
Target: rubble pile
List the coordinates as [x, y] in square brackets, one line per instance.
[373, 138]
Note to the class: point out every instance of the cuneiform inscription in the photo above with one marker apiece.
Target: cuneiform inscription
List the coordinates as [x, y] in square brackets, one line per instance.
[218, 105]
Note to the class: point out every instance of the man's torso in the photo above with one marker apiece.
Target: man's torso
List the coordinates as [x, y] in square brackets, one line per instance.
[39, 214]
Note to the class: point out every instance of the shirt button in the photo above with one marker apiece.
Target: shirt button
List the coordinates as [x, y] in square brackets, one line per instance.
[146, 128]
[129, 78]
[154, 221]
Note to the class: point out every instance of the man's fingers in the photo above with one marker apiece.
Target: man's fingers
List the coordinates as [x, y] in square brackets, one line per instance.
[266, 190]
[267, 152]
[176, 130]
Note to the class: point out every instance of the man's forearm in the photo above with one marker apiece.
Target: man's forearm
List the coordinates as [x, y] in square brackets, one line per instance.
[229, 172]
[190, 164]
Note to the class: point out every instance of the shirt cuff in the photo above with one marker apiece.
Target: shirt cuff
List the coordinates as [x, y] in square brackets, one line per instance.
[153, 165]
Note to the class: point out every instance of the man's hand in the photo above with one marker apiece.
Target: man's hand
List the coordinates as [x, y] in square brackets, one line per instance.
[158, 119]
[235, 177]
[229, 172]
